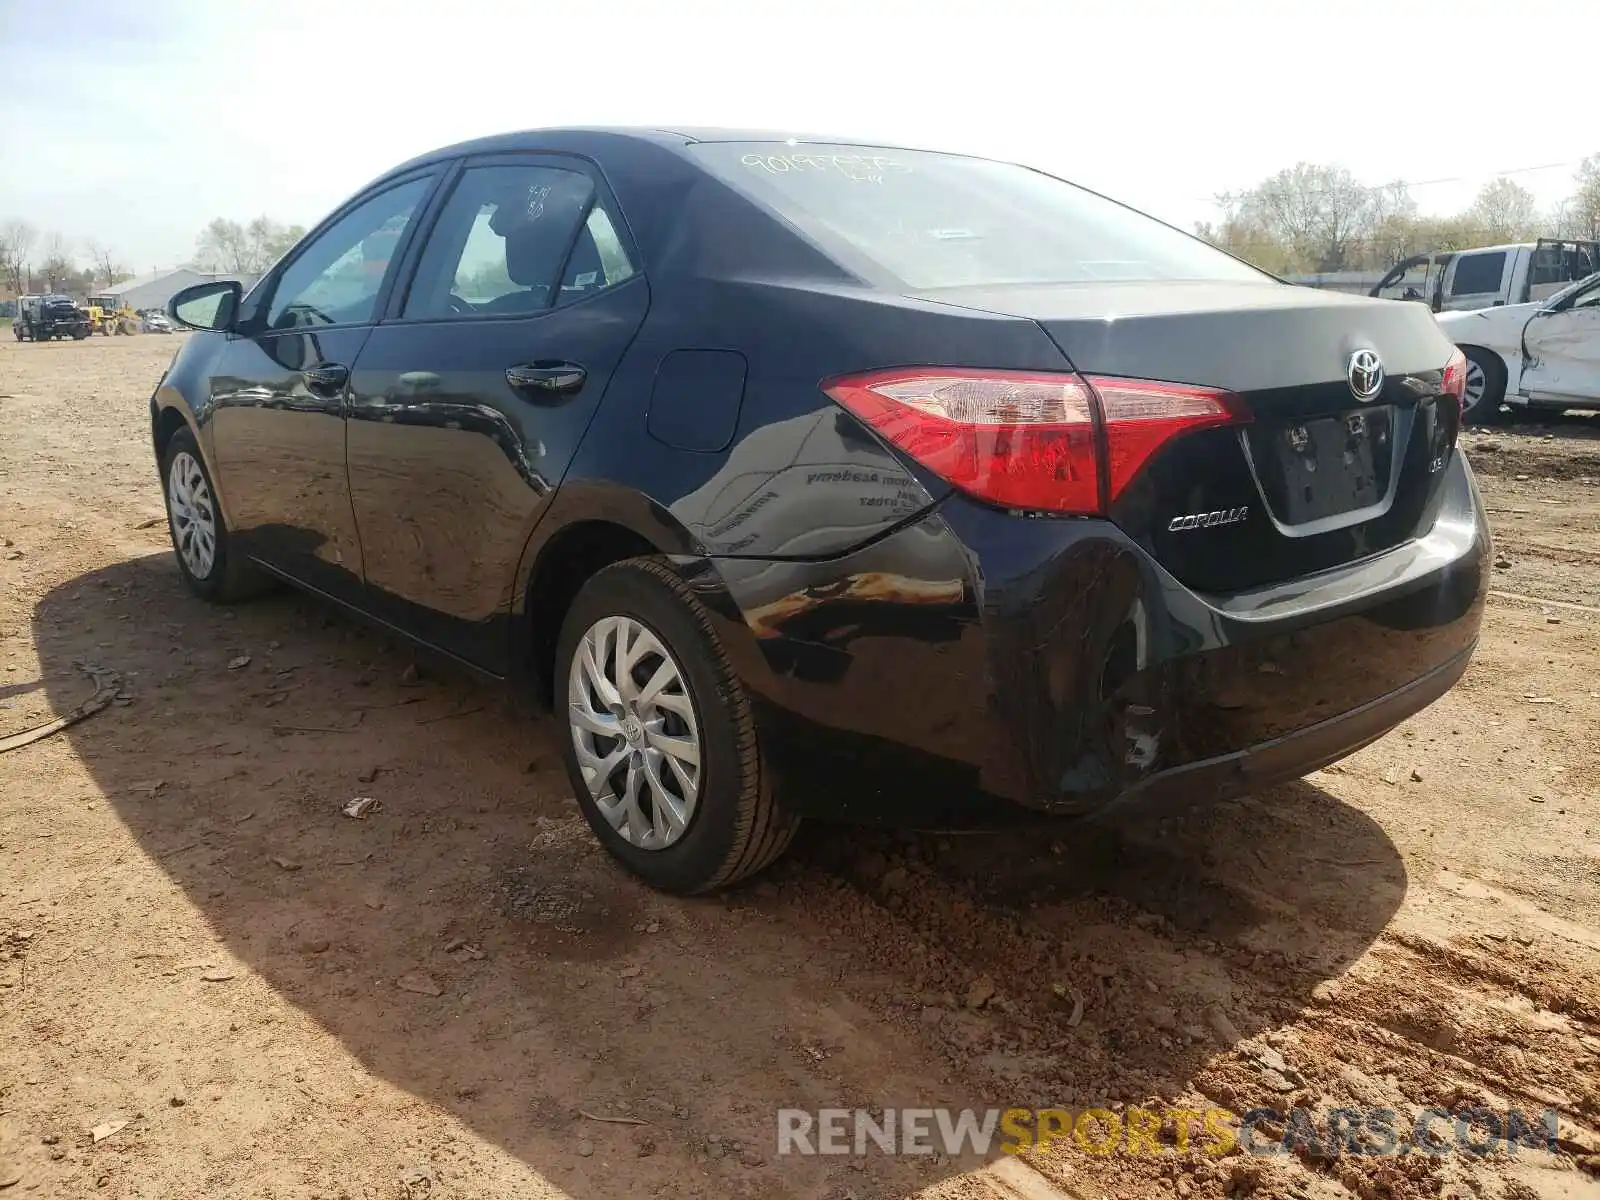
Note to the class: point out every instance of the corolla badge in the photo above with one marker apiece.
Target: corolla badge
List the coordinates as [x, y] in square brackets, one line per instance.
[1365, 374]
[1208, 520]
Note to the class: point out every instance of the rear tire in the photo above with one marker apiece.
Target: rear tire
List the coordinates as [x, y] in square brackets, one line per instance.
[199, 533]
[683, 822]
[1486, 387]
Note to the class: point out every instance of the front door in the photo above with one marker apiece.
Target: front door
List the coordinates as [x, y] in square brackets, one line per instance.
[468, 406]
[1561, 347]
[278, 394]
[1477, 280]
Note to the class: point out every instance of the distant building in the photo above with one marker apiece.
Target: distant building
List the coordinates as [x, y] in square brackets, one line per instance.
[153, 291]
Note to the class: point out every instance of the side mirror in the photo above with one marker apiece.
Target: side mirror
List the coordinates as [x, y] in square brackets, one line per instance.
[213, 306]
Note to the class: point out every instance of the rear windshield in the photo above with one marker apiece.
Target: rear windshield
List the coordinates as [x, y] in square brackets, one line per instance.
[940, 220]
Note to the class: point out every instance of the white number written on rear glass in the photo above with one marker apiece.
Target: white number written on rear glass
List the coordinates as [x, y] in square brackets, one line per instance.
[860, 168]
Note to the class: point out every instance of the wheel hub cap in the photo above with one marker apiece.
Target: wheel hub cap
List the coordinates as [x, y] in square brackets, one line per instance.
[193, 516]
[635, 731]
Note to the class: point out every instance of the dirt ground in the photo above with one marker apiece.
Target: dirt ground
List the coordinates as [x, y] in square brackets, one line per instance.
[440, 999]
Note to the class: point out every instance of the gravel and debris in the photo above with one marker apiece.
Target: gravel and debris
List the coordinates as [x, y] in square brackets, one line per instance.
[424, 1004]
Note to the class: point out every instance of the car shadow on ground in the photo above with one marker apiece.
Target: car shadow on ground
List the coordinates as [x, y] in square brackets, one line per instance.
[470, 944]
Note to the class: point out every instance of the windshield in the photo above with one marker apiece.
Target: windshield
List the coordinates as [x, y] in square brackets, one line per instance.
[941, 220]
[1552, 301]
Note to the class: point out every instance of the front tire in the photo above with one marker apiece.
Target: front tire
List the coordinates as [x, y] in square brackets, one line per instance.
[199, 533]
[661, 743]
[1486, 386]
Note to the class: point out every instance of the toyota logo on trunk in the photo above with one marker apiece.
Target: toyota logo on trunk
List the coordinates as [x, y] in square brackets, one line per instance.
[1365, 374]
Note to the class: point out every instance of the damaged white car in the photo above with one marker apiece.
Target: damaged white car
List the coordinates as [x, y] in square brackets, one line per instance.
[1541, 355]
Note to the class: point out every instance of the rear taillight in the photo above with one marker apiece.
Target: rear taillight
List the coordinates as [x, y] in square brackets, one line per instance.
[1142, 416]
[1455, 377]
[1029, 439]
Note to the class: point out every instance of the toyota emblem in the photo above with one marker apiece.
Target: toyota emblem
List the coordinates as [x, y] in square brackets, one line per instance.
[1365, 374]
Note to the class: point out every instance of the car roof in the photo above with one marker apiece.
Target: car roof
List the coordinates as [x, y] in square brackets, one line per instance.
[597, 138]
[1501, 246]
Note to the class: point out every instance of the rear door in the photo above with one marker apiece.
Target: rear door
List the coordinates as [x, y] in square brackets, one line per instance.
[278, 392]
[468, 403]
[1561, 348]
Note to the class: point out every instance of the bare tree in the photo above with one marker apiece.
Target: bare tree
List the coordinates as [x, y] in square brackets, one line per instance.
[1251, 242]
[223, 245]
[1312, 218]
[17, 239]
[58, 268]
[271, 241]
[106, 268]
[1582, 209]
[1505, 212]
[1395, 230]
[1318, 215]
[226, 245]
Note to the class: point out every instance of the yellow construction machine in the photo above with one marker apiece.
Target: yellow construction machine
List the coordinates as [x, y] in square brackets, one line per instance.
[108, 315]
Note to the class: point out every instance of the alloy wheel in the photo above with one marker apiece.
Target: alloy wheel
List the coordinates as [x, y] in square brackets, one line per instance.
[194, 521]
[635, 732]
[1476, 383]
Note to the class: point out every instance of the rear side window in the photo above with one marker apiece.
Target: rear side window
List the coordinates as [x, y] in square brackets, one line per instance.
[1478, 273]
[516, 239]
[939, 220]
[1550, 265]
[1561, 264]
[598, 259]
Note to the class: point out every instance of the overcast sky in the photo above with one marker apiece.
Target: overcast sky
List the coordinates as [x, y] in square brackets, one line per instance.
[138, 124]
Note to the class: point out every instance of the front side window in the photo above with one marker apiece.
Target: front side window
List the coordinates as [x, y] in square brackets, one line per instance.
[336, 279]
[516, 239]
[942, 220]
[1477, 274]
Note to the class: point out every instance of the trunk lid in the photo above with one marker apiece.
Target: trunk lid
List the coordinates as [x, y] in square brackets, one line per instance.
[1323, 474]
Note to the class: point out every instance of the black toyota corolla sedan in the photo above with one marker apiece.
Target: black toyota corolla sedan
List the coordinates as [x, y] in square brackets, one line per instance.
[808, 478]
